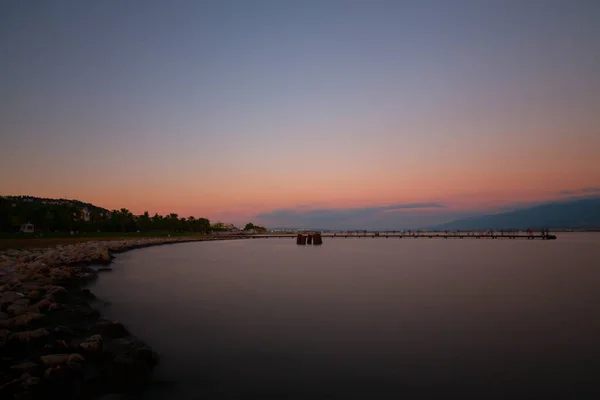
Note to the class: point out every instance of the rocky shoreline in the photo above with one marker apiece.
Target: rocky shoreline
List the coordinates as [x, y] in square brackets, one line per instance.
[53, 343]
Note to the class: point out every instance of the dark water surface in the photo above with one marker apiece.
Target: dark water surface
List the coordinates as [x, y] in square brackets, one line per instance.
[366, 318]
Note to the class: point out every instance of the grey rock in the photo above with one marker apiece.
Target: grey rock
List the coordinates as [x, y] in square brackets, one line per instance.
[9, 297]
[111, 329]
[29, 336]
[27, 366]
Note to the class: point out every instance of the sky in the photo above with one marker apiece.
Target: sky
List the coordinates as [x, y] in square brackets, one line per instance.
[359, 114]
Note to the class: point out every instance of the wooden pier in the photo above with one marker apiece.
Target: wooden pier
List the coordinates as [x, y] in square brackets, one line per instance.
[317, 238]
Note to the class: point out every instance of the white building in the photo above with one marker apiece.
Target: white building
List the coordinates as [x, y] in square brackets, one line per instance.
[27, 228]
[85, 214]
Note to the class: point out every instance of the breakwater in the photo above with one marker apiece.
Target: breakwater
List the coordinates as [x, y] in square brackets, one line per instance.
[54, 344]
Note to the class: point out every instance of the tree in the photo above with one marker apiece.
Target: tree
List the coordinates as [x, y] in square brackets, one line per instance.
[203, 225]
[125, 216]
[249, 226]
[173, 221]
[192, 223]
[144, 221]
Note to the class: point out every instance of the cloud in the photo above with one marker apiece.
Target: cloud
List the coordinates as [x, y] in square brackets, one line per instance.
[580, 192]
[379, 217]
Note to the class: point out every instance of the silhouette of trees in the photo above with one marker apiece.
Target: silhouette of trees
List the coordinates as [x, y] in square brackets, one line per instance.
[51, 215]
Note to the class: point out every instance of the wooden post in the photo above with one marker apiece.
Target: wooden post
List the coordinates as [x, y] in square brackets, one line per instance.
[309, 239]
[318, 240]
[301, 239]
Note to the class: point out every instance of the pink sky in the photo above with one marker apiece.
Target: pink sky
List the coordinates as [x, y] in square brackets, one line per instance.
[282, 107]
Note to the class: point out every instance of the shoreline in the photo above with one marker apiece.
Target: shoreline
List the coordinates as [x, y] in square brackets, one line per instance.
[52, 341]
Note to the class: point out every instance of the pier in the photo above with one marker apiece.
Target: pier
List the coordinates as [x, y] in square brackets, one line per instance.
[317, 238]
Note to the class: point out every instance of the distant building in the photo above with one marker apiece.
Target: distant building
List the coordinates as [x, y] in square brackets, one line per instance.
[27, 228]
[85, 214]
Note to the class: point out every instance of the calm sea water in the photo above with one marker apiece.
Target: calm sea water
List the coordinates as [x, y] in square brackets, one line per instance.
[366, 318]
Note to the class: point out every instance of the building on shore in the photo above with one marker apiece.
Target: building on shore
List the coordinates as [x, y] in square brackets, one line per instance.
[27, 228]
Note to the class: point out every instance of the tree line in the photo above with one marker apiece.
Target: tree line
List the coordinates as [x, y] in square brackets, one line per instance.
[72, 216]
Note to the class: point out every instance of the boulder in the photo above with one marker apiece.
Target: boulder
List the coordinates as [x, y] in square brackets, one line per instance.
[27, 366]
[31, 287]
[110, 329]
[57, 292]
[129, 372]
[18, 307]
[91, 347]
[31, 381]
[24, 319]
[34, 295]
[87, 294]
[63, 333]
[117, 347]
[58, 346]
[62, 372]
[43, 304]
[29, 336]
[146, 355]
[105, 255]
[9, 297]
[94, 338]
[57, 359]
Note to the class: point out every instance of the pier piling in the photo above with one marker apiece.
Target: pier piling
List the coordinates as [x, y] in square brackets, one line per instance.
[317, 240]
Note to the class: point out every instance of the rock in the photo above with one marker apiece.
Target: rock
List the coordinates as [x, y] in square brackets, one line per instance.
[9, 385]
[93, 344]
[18, 307]
[43, 304]
[58, 372]
[118, 346]
[87, 294]
[24, 319]
[63, 333]
[91, 347]
[57, 292]
[128, 372]
[105, 269]
[78, 358]
[58, 346]
[94, 338]
[3, 316]
[106, 255]
[81, 311]
[31, 287]
[27, 366]
[9, 297]
[146, 355]
[57, 359]
[110, 329]
[28, 336]
[34, 295]
[31, 382]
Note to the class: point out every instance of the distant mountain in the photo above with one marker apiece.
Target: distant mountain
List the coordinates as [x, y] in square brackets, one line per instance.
[571, 214]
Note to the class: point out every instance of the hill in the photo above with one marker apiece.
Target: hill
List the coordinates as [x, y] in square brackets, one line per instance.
[63, 215]
[576, 214]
